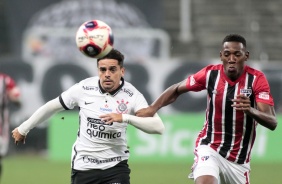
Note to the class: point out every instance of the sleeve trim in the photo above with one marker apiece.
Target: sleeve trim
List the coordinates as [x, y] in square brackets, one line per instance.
[62, 103]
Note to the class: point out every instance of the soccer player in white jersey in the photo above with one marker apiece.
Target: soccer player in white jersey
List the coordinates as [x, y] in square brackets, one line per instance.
[238, 99]
[107, 104]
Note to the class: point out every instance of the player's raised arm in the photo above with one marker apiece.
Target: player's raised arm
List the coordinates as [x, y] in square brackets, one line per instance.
[166, 98]
[39, 116]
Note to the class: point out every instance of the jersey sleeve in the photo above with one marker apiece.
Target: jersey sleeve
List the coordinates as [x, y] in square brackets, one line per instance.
[140, 103]
[68, 98]
[10, 83]
[12, 89]
[197, 81]
[262, 91]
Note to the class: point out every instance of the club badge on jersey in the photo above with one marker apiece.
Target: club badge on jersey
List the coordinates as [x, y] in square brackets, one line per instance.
[122, 107]
[246, 92]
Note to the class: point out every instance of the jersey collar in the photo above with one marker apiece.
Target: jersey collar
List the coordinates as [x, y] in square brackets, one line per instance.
[112, 92]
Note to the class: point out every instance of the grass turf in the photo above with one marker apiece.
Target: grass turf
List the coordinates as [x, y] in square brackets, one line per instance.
[34, 169]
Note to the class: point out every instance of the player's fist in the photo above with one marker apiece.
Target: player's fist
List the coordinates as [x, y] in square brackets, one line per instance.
[17, 136]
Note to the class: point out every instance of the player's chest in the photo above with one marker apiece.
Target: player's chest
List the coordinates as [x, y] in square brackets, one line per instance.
[106, 103]
[223, 89]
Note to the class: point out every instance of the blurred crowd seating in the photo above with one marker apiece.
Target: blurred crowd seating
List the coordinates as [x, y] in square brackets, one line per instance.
[258, 20]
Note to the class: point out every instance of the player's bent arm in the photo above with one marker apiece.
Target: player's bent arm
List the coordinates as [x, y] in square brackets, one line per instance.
[151, 125]
[40, 115]
[264, 115]
[166, 98]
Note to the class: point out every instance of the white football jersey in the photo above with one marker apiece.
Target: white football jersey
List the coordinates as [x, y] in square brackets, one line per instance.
[98, 145]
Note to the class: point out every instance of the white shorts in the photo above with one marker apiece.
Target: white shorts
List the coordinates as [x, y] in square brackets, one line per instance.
[209, 162]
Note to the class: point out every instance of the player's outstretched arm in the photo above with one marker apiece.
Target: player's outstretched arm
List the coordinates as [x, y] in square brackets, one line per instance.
[166, 98]
[39, 116]
[151, 125]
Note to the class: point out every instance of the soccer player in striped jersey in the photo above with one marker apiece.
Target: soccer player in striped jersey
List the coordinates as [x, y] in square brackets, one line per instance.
[238, 99]
[107, 104]
[9, 93]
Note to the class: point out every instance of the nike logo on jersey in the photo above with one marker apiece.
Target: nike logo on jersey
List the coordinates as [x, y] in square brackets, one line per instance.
[87, 103]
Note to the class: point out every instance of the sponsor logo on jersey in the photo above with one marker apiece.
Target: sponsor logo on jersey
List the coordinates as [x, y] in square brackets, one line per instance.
[97, 129]
[204, 158]
[246, 92]
[264, 95]
[105, 109]
[95, 121]
[99, 133]
[95, 88]
[192, 81]
[87, 159]
[127, 91]
[122, 107]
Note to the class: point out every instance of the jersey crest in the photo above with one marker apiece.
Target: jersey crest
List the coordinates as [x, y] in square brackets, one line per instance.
[122, 107]
[246, 92]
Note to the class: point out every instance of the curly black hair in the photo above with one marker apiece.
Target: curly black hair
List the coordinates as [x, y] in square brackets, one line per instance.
[235, 38]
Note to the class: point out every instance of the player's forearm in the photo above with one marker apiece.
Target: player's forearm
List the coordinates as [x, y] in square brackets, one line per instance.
[40, 115]
[166, 98]
[267, 120]
[151, 125]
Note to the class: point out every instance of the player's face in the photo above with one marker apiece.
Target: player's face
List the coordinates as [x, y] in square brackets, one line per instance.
[110, 74]
[233, 55]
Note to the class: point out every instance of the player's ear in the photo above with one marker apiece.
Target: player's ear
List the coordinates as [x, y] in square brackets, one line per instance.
[122, 71]
[247, 55]
[220, 54]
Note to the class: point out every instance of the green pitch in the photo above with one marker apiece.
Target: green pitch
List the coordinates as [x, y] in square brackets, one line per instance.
[33, 169]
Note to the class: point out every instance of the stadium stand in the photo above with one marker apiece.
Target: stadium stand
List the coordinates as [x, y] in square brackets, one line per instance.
[259, 21]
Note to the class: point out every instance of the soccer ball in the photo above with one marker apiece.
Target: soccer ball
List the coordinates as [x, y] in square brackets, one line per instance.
[94, 38]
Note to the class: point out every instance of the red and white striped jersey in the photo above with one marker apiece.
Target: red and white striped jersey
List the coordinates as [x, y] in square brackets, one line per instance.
[7, 91]
[231, 133]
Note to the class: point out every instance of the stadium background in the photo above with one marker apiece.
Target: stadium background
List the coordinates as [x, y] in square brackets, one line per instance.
[163, 42]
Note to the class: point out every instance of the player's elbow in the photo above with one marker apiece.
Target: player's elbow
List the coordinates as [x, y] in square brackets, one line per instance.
[273, 126]
[160, 130]
[270, 124]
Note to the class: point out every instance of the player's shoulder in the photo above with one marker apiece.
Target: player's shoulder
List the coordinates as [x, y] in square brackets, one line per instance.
[253, 71]
[5, 76]
[213, 67]
[88, 84]
[130, 89]
[90, 81]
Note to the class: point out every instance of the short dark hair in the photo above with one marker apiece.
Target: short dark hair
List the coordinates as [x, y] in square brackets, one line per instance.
[113, 54]
[235, 38]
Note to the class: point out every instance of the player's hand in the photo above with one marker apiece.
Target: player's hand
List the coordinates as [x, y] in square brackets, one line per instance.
[18, 137]
[242, 103]
[111, 117]
[146, 112]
